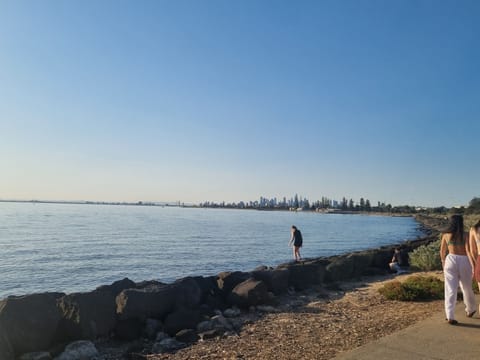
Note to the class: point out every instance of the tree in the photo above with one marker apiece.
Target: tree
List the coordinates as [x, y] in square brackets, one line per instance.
[474, 206]
[368, 207]
[362, 204]
[351, 204]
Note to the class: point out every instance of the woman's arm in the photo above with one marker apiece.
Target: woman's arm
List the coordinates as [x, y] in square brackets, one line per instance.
[468, 249]
[443, 250]
[473, 246]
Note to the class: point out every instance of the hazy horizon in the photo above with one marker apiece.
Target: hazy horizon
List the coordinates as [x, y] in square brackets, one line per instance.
[226, 101]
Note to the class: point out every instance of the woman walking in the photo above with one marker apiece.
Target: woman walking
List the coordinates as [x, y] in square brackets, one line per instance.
[457, 268]
[297, 241]
[474, 240]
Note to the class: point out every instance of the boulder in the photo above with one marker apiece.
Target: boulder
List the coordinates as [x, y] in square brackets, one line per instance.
[79, 350]
[232, 312]
[362, 261]
[303, 275]
[208, 287]
[141, 304]
[181, 319]
[187, 336]
[167, 345]
[5, 347]
[226, 281]
[248, 293]
[340, 268]
[148, 283]
[210, 334]
[118, 286]
[87, 315]
[205, 326]
[220, 322]
[160, 336]
[129, 329]
[152, 327]
[188, 292]
[276, 280]
[43, 355]
[29, 322]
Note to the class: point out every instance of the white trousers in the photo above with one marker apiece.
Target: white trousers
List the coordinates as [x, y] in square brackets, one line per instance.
[458, 269]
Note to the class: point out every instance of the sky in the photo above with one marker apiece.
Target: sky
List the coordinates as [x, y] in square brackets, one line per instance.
[232, 100]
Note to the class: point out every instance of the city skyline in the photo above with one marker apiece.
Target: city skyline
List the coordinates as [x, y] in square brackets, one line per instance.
[194, 101]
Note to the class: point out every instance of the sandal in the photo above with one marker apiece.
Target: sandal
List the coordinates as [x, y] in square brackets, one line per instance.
[470, 314]
[452, 322]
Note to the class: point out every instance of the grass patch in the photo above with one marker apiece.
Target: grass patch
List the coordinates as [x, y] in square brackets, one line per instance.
[414, 288]
[426, 257]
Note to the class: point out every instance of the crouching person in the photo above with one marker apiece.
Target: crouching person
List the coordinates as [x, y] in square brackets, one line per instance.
[399, 262]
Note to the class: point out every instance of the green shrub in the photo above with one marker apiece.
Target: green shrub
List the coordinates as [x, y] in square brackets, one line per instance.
[415, 288]
[426, 257]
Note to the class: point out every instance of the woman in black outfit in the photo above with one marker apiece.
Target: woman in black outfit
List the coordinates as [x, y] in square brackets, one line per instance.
[296, 240]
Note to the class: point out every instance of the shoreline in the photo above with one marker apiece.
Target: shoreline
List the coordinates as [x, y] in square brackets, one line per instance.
[126, 309]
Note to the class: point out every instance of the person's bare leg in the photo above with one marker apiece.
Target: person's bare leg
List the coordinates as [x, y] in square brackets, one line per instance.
[478, 304]
[296, 253]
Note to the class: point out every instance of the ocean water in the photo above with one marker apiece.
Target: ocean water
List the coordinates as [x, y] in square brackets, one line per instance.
[65, 247]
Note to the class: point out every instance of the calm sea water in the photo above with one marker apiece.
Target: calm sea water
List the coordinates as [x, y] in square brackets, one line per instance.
[64, 247]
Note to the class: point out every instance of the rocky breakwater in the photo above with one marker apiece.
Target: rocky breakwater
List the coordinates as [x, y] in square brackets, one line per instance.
[167, 316]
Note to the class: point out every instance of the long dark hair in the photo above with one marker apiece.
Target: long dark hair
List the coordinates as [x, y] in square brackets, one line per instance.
[455, 228]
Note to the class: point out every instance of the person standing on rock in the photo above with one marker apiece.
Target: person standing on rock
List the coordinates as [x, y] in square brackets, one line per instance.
[297, 241]
[457, 268]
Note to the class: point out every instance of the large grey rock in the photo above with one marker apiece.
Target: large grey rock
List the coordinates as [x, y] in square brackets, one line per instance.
[227, 281]
[205, 326]
[187, 336]
[152, 327]
[362, 262]
[248, 293]
[210, 334]
[341, 268]
[87, 315]
[6, 348]
[43, 355]
[156, 301]
[79, 350]
[188, 292]
[232, 312]
[276, 280]
[141, 304]
[181, 319]
[118, 286]
[167, 345]
[148, 283]
[220, 322]
[303, 275]
[29, 322]
[129, 329]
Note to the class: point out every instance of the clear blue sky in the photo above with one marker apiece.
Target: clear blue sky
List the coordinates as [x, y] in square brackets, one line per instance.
[230, 100]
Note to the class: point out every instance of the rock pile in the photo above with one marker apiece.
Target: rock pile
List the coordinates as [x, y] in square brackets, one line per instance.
[191, 309]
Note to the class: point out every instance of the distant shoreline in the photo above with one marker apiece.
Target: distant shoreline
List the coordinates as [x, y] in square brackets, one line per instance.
[166, 204]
